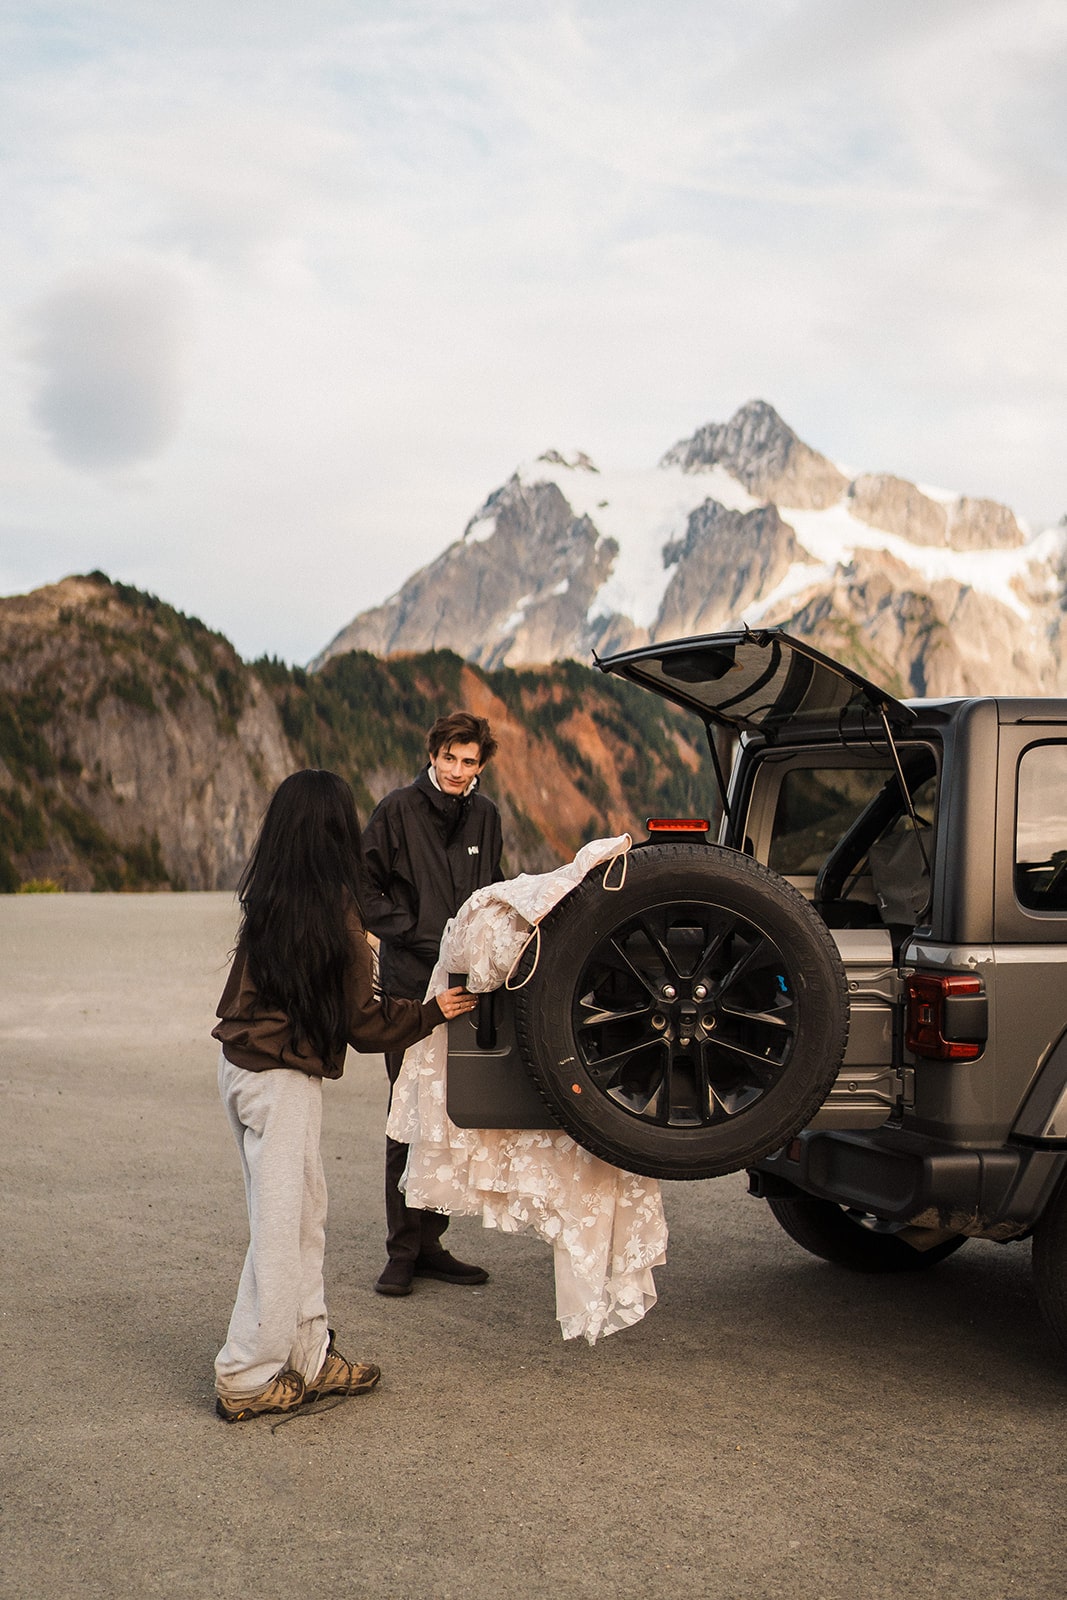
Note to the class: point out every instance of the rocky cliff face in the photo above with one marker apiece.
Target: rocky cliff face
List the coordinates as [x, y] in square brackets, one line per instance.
[742, 522]
[725, 563]
[136, 749]
[897, 506]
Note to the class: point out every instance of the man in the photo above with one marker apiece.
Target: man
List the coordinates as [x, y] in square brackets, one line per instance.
[426, 848]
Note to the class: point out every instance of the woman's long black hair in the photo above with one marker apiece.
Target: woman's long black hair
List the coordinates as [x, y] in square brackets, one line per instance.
[293, 898]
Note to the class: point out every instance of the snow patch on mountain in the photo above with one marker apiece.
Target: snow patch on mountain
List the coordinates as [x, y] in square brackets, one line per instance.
[831, 536]
[516, 618]
[642, 511]
[945, 497]
[480, 528]
[801, 577]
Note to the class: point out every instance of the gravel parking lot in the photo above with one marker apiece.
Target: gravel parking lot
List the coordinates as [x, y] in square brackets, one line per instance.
[774, 1428]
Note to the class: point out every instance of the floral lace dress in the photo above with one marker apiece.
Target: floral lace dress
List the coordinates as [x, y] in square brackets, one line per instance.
[606, 1227]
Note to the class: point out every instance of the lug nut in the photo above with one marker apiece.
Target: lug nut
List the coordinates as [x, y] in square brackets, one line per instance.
[700, 992]
[669, 992]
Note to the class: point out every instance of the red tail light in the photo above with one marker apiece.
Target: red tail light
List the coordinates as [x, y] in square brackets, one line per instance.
[677, 824]
[947, 1016]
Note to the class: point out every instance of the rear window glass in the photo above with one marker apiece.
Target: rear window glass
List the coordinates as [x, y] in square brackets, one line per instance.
[1041, 829]
[816, 805]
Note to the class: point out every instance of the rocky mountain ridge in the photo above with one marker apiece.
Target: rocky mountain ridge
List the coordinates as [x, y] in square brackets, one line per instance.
[138, 751]
[135, 749]
[928, 591]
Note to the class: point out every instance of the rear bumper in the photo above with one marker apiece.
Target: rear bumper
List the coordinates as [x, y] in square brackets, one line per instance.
[915, 1181]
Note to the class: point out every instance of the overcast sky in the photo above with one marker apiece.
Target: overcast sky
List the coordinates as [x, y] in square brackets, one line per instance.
[286, 290]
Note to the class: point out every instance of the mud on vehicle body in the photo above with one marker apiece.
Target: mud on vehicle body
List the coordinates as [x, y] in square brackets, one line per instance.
[858, 993]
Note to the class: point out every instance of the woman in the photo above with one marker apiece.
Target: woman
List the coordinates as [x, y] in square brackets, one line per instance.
[300, 990]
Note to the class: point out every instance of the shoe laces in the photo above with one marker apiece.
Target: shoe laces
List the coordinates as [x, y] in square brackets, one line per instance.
[290, 1381]
[314, 1406]
[317, 1404]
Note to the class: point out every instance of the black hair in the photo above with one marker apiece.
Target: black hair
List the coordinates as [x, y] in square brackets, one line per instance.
[462, 727]
[302, 874]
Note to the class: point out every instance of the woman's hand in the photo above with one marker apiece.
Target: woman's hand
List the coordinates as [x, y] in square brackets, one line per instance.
[455, 1002]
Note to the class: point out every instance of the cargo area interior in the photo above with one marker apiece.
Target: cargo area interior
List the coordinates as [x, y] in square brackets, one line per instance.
[836, 824]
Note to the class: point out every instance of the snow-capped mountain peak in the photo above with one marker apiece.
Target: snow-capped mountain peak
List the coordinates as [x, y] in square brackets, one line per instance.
[742, 522]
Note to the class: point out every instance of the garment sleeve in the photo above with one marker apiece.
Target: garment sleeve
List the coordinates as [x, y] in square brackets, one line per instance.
[388, 900]
[376, 1022]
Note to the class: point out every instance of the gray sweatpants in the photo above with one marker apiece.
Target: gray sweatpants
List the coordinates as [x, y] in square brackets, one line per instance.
[279, 1319]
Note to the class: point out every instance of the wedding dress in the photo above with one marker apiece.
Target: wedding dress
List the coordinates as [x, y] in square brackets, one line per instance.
[606, 1226]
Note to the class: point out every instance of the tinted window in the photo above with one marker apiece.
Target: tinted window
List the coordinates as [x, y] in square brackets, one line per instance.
[816, 806]
[1041, 828]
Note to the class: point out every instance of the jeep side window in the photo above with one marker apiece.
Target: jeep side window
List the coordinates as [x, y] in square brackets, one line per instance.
[1041, 829]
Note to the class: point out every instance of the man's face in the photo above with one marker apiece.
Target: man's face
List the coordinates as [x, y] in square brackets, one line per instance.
[455, 765]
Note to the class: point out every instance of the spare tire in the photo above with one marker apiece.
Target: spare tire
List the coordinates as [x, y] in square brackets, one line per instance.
[688, 1023]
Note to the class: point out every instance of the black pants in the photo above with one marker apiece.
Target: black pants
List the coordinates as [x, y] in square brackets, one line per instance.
[410, 1233]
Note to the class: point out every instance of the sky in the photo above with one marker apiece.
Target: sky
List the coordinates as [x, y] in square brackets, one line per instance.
[286, 291]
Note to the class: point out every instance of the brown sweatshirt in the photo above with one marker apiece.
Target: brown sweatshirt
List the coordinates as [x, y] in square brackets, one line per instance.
[257, 1038]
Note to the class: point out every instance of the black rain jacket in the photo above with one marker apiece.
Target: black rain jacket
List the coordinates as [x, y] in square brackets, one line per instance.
[424, 853]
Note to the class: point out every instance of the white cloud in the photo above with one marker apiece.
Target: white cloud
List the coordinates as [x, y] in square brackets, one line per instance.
[107, 349]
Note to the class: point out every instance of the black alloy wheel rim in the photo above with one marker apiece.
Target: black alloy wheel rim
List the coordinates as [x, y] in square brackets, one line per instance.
[684, 1015]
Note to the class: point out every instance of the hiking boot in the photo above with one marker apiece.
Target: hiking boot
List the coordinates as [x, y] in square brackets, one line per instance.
[283, 1393]
[443, 1265]
[338, 1376]
[396, 1278]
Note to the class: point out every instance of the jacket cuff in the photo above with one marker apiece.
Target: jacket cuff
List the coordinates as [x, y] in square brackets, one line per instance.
[433, 1013]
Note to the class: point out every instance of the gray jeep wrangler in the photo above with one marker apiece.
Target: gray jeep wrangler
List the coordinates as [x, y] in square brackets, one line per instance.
[858, 994]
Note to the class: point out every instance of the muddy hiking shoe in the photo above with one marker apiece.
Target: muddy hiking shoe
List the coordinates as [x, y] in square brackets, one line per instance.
[341, 1377]
[283, 1393]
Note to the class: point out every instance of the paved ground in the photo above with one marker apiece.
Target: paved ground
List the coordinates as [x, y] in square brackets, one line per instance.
[775, 1428]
